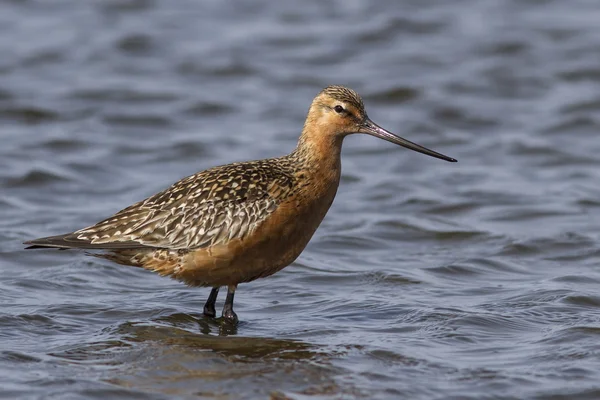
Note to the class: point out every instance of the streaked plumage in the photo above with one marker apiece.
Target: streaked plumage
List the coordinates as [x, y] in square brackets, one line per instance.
[242, 221]
[206, 209]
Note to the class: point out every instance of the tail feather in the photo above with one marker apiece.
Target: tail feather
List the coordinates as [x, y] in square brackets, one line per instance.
[70, 241]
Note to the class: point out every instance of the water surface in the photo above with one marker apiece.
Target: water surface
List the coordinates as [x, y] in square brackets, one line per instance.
[427, 280]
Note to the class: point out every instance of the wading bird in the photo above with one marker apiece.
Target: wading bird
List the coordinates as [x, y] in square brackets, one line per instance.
[238, 222]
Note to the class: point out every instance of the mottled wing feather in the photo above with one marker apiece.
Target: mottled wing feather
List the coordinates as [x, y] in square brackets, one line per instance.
[209, 208]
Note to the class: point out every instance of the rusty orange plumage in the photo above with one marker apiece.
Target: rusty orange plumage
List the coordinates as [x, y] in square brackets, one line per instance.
[238, 222]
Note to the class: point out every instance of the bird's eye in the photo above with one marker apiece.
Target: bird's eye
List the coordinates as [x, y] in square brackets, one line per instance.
[338, 109]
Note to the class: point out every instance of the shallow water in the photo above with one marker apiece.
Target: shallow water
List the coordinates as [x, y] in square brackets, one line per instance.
[427, 280]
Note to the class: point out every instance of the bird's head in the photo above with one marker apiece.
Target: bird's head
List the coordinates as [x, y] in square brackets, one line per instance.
[338, 111]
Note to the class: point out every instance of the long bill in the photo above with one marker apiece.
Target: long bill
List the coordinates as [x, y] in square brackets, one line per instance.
[371, 128]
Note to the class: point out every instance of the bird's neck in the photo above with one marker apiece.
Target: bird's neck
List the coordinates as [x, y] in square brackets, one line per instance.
[318, 171]
[319, 153]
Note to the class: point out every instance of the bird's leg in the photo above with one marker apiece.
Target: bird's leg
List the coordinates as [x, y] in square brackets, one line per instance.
[209, 307]
[228, 313]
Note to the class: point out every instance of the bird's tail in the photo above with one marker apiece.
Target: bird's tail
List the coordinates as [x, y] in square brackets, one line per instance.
[71, 241]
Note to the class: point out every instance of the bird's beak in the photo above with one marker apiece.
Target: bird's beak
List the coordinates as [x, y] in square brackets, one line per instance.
[371, 128]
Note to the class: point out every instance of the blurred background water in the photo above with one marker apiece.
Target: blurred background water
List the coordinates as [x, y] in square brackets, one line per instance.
[427, 280]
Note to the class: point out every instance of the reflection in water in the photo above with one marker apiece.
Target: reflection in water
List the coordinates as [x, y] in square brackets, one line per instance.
[217, 336]
[207, 325]
[173, 360]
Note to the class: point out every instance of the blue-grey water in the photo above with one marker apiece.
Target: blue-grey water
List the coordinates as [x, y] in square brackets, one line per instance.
[427, 280]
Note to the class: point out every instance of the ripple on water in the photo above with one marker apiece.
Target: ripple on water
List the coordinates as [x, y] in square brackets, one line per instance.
[123, 95]
[426, 280]
[136, 44]
[29, 114]
[138, 120]
[35, 178]
[586, 74]
[568, 245]
[207, 108]
[18, 357]
[388, 95]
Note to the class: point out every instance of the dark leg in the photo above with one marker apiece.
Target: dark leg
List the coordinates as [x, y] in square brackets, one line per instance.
[209, 307]
[228, 313]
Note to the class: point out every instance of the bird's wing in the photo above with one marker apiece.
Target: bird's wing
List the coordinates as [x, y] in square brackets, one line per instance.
[209, 208]
[181, 228]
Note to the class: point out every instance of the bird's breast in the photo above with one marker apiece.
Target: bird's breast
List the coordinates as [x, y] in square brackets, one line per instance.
[274, 244]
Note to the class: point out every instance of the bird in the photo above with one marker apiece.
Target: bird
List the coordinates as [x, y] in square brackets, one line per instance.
[235, 223]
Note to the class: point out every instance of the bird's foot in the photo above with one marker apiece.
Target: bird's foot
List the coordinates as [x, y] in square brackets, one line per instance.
[230, 316]
[228, 313]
